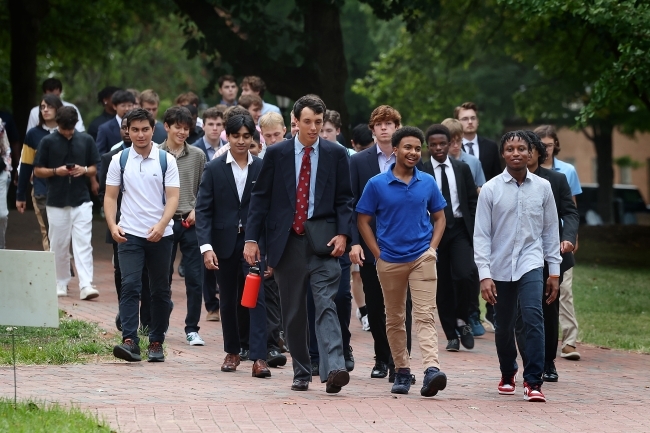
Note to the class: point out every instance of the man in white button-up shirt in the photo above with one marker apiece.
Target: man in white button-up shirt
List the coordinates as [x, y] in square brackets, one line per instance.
[516, 230]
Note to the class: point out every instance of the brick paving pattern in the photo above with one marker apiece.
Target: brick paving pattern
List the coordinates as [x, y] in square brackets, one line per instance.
[607, 391]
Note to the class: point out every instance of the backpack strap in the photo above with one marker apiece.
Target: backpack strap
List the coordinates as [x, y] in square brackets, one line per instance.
[124, 156]
[163, 166]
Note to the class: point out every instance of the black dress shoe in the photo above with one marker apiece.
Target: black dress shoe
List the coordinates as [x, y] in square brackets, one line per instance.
[379, 371]
[349, 359]
[300, 385]
[315, 369]
[550, 373]
[336, 380]
[275, 359]
[453, 345]
[466, 336]
[244, 354]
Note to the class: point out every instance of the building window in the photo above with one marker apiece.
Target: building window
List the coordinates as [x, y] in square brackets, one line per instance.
[625, 175]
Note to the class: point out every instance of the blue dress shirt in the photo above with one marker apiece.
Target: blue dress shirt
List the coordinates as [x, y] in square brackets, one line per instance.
[313, 157]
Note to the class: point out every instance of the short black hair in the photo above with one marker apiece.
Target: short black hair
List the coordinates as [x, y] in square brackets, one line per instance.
[513, 135]
[52, 101]
[436, 129]
[52, 84]
[536, 142]
[312, 102]
[362, 135]
[139, 114]
[256, 136]
[66, 118]
[180, 115]
[122, 96]
[406, 131]
[105, 93]
[235, 123]
[192, 109]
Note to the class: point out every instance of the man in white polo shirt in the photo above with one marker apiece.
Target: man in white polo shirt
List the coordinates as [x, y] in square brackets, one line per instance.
[150, 190]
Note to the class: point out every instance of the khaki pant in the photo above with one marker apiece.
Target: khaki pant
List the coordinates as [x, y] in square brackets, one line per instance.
[395, 278]
[41, 216]
[568, 321]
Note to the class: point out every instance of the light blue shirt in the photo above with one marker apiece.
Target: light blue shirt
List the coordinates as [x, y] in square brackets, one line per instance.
[347, 149]
[516, 228]
[474, 166]
[266, 108]
[571, 175]
[384, 163]
[313, 157]
[211, 150]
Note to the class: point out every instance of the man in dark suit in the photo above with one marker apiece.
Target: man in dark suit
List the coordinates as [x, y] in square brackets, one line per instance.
[221, 225]
[384, 121]
[457, 274]
[145, 297]
[108, 133]
[568, 214]
[483, 148]
[304, 178]
[104, 99]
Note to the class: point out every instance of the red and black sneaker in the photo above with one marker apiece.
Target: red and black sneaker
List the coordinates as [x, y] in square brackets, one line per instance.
[533, 393]
[508, 385]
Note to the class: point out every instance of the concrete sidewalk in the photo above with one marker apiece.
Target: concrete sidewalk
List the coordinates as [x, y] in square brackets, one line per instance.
[606, 391]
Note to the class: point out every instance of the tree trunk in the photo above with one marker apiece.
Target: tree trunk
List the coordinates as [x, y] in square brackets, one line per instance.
[25, 18]
[602, 139]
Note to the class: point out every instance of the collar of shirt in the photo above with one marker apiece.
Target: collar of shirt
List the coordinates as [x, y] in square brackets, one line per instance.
[473, 140]
[436, 163]
[119, 121]
[508, 178]
[152, 154]
[379, 152]
[299, 147]
[48, 129]
[230, 159]
[209, 146]
[183, 151]
[392, 178]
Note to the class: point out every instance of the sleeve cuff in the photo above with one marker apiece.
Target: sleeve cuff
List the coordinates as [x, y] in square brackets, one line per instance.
[250, 241]
[554, 269]
[484, 273]
[205, 247]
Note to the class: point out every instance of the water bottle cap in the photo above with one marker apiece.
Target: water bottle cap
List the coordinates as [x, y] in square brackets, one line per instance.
[254, 270]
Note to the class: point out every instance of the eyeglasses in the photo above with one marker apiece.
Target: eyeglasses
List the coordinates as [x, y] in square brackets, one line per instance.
[467, 119]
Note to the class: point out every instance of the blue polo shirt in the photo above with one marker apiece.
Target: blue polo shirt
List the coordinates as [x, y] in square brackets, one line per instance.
[402, 212]
[571, 175]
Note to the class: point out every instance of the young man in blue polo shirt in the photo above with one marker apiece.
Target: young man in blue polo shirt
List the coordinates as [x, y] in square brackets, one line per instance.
[404, 200]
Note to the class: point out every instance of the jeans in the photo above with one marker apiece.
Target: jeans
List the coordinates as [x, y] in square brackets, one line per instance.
[528, 292]
[145, 297]
[134, 255]
[193, 262]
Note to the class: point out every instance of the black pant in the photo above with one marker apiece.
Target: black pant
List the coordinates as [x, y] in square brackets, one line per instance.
[193, 262]
[145, 296]
[377, 313]
[136, 254]
[551, 325]
[210, 290]
[457, 277]
[273, 314]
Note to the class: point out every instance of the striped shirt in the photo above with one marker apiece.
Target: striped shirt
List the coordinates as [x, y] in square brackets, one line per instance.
[516, 228]
[191, 162]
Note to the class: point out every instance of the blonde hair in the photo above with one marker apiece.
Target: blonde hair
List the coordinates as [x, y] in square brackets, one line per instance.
[149, 96]
[271, 119]
[454, 126]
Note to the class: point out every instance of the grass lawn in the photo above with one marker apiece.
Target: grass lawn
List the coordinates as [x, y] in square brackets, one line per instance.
[30, 417]
[74, 341]
[611, 287]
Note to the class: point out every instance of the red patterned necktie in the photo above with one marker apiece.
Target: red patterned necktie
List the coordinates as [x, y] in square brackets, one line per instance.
[302, 193]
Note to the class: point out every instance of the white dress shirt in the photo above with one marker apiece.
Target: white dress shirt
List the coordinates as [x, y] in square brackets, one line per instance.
[474, 146]
[451, 178]
[384, 162]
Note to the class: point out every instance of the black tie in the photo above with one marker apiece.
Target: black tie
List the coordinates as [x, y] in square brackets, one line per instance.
[444, 184]
[470, 144]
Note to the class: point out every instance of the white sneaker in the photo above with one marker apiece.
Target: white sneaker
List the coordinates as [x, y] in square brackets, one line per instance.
[365, 325]
[194, 339]
[87, 293]
[61, 291]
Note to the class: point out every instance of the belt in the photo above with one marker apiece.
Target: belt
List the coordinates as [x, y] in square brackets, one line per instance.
[181, 217]
[298, 235]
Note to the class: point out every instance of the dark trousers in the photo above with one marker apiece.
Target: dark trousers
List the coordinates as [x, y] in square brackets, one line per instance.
[527, 292]
[210, 290]
[457, 277]
[193, 262]
[377, 313]
[231, 277]
[273, 314]
[298, 271]
[135, 254]
[551, 326]
[145, 297]
[343, 303]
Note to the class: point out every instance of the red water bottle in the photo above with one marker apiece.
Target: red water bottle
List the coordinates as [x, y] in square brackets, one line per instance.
[251, 288]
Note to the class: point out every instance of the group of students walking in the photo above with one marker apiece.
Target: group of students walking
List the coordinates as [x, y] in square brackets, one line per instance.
[425, 237]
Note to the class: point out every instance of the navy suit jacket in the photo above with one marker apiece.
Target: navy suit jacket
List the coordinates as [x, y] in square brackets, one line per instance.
[108, 135]
[488, 154]
[218, 208]
[200, 143]
[273, 201]
[363, 166]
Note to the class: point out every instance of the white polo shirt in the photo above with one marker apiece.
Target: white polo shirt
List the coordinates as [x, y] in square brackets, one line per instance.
[142, 205]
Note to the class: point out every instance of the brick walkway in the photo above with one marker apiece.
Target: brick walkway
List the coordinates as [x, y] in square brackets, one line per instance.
[606, 391]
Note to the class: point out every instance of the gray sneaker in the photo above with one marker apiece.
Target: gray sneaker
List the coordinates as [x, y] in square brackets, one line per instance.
[155, 352]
